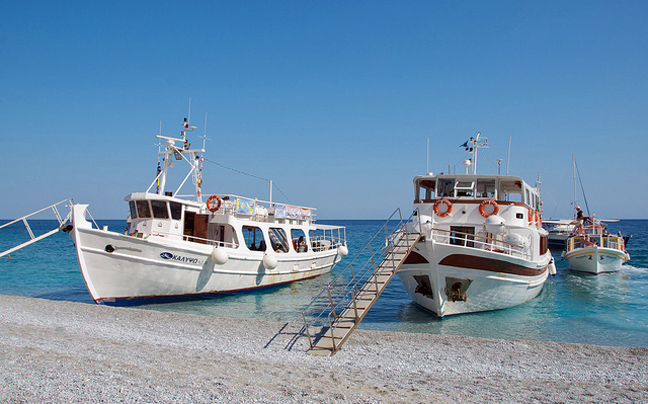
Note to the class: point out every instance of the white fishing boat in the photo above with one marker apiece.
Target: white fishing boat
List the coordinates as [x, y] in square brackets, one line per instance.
[180, 245]
[484, 247]
[560, 230]
[594, 250]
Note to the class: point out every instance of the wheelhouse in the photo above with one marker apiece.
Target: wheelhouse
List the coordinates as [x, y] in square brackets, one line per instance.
[428, 188]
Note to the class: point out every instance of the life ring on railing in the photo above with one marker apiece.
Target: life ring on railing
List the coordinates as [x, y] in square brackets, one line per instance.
[213, 206]
[538, 219]
[488, 202]
[530, 217]
[442, 202]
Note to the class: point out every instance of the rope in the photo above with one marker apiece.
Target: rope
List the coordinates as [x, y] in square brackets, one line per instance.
[582, 189]
[488, 161]
[249, 175]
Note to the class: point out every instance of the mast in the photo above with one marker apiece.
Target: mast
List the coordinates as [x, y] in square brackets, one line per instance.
[574, 180]
[173, 151]
[472, 145]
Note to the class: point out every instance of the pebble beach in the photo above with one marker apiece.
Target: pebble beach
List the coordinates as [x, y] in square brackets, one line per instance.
[66, 352]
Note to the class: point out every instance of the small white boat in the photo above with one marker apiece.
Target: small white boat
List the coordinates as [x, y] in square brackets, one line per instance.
[484, 247]
[592, 249]
[179, 245]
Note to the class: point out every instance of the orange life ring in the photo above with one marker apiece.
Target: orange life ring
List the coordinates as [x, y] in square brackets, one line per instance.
[538, 218]
[530, 217]
[488, 202]
[446, 203]
[210, 203]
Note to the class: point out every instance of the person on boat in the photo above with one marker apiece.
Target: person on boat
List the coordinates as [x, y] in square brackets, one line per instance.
[580, 218]
[301, 244]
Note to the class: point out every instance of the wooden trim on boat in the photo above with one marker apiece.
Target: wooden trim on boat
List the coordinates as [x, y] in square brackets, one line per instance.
[472, 201]
[415, 258]
[489, 264]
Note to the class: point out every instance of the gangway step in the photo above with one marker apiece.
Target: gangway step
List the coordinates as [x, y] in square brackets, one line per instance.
[364, 295]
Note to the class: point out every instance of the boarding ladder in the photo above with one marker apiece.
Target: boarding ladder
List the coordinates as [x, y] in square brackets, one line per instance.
[33, 238]
[338, 309]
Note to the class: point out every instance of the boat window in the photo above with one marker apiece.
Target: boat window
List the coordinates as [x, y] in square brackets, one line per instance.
[176, 210]
[278, 240]
[426, 190]
[486, 188]
[253, 237]
[133, 211]
[528, 201]
[298, 240]
[143, 209]
[160, 210]
[462, 235]
[445, 188]
[511, 191]
[464, 188]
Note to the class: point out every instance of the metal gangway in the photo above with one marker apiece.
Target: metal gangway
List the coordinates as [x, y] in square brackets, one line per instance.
[63, 222]
[337, 310]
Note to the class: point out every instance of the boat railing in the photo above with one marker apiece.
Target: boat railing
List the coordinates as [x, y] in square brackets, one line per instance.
[481, 242]
[258, 209]
[323, 243]
[606, 241]
[340, 292]
[34, 238]
[327, 237]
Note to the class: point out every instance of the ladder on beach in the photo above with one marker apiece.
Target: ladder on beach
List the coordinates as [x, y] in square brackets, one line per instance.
[345, 301]
[33, 238]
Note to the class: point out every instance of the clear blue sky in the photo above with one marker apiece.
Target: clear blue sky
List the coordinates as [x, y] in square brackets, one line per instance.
[332, 100]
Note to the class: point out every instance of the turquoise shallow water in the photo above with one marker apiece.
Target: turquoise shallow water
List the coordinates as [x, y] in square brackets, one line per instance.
[608, 309]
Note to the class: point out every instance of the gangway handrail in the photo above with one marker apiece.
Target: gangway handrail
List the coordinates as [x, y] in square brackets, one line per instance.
[343, 288]
[33, 239]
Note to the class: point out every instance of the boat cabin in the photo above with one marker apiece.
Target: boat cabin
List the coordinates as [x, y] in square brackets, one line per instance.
[427, 188]
[481, 211]
[237, 222]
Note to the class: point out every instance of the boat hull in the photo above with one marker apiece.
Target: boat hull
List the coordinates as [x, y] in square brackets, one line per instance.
[457, 279]
[118, 267]
[557, 241]
[595, 260]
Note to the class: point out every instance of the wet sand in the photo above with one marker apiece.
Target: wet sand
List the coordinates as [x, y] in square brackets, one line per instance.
[78, 353]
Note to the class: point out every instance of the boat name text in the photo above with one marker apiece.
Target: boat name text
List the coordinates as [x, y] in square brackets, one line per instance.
[180, 258]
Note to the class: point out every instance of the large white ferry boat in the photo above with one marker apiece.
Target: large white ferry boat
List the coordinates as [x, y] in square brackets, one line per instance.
[483, 245]
[179, 245]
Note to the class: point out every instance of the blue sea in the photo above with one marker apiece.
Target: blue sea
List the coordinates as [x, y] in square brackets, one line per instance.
[608, 309]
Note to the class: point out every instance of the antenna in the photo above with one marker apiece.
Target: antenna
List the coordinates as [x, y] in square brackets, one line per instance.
[189, 113]
[205, 132]
[508, 157]
[427, 161]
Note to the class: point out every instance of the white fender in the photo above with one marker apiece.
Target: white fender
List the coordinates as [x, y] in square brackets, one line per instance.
[552, 267]
[342, 251]
[269, 261]
[219, 256]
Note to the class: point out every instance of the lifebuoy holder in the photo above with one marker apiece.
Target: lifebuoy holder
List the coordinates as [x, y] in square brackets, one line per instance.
[488, 202]
[442, 207]
[213, 206]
